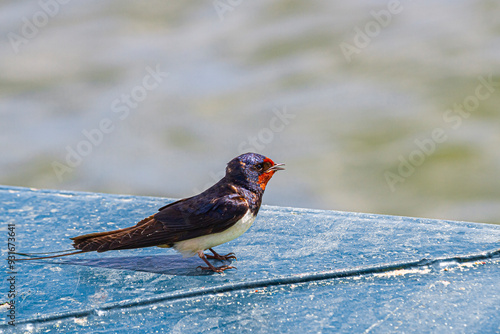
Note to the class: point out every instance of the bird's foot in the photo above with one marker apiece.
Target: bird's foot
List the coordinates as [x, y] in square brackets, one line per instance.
[219, 257]
[217, 269]
[220, 269]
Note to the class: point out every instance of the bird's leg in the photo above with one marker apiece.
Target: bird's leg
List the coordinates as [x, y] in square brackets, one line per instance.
[210, 266]
[219, 257]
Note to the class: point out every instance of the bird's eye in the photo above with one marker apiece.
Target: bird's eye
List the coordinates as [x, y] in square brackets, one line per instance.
[260, 167]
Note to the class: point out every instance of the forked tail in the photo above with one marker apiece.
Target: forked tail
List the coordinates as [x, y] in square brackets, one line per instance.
[101, 242]
[33, 256]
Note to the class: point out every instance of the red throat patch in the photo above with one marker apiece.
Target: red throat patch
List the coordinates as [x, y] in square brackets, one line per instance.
[264, 178]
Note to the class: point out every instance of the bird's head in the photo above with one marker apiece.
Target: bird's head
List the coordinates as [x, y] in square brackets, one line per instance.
[252, 170]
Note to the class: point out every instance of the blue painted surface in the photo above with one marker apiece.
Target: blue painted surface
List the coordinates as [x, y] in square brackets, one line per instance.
[298, 270]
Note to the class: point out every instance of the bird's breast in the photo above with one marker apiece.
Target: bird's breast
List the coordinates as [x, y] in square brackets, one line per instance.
[190, 247]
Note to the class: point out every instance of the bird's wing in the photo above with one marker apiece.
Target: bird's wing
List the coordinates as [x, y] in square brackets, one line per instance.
[181, 220]
[191, 218]
[185, 219]
[208, 216]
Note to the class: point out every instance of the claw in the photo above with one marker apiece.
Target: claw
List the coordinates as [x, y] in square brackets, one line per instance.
[219, 257]
[220, 269]
[217, 269]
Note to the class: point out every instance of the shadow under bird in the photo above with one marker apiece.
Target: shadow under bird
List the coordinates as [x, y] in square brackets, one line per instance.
[192, 225]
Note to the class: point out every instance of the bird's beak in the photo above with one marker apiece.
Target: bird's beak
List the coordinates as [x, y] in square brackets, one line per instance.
[276, 167]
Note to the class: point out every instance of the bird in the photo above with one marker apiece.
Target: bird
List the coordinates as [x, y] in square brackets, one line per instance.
[195, 224]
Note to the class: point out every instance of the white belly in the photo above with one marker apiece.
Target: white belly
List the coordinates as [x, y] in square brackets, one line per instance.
[191, 246]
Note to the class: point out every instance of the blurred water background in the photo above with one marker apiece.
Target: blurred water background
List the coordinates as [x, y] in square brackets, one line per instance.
[375, 106]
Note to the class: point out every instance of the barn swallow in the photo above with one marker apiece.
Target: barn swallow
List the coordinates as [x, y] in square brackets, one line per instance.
[192, 225]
